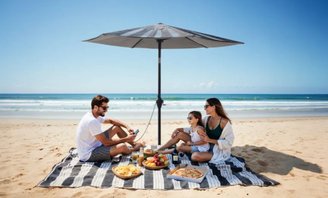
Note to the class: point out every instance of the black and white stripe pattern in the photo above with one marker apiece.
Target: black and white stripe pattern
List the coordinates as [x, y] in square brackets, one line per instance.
[70, 172]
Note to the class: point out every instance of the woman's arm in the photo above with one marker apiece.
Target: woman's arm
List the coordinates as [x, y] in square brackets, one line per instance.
[209, 140]
[201, 142]
[226, 141]
[201, 132]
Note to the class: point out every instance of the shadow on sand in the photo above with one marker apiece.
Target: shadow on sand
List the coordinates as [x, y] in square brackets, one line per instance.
[262, 160]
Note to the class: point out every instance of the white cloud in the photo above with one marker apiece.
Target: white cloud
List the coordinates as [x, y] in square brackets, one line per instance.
[208, 85]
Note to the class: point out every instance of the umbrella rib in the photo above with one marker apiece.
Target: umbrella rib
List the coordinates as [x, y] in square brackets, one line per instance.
[212, 37]
[197, 42]
[136, 43]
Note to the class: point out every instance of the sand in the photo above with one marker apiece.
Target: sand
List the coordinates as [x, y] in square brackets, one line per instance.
[291, 151]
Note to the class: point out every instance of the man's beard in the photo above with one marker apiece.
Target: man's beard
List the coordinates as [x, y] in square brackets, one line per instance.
[102, 115]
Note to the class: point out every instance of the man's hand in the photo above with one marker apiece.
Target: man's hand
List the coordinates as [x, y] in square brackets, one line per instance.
[130, 130]
[130, 137]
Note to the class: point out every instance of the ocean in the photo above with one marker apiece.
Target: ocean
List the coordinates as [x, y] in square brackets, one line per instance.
[176, 106]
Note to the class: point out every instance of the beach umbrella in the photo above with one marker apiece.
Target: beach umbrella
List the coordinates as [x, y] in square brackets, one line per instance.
[161, 36]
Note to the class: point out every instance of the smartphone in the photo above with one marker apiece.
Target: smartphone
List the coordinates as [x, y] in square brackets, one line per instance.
[136, 132]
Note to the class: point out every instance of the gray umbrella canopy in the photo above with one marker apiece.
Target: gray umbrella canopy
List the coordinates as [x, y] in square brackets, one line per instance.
[173, 37]
[160, 36]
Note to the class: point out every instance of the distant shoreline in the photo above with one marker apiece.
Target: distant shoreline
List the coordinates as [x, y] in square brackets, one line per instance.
[176, 106]
[146, 115]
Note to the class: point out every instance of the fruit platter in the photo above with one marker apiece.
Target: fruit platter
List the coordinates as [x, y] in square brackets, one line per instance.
[158, 161]
[149, 153]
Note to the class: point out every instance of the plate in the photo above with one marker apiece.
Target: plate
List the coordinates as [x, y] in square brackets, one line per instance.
[136, 173]
[201, 169]
[153, 167]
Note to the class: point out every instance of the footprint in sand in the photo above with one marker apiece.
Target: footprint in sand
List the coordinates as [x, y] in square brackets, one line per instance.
[5, 181]
[54, 149]
[322, 177]
[282, 132]
[291, 191]
[58, 154]
[16, 177]
[79, 194]
[19, 175]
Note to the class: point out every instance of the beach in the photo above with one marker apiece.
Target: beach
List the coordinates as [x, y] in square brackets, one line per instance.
[290, 150]
[260, 64]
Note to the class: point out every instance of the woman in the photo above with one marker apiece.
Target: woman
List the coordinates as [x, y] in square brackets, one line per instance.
[218, 132]
[189, 135]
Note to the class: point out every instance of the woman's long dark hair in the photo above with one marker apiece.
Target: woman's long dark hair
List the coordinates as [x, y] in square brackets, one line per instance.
[218, 107]
[198, 116]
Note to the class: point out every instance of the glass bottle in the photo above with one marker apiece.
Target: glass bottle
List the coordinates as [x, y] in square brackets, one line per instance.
[141, 156]
[175, 156]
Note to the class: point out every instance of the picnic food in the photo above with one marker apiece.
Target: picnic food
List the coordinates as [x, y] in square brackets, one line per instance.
[149, 153]
[188, 172]
[135, 156]
[140, 160]
[126, 172]
[156, 162]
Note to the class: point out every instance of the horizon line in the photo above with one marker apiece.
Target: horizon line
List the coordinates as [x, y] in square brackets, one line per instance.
[167, 93]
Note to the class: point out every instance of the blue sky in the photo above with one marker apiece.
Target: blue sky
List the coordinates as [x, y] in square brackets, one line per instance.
[285, 48]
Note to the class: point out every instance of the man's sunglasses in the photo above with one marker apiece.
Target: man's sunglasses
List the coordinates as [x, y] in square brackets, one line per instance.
[104, 108]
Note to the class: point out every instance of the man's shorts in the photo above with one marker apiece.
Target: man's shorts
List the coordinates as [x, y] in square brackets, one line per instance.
[101, 153]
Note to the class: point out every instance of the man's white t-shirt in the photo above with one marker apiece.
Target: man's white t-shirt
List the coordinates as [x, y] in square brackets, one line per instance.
[88, 128]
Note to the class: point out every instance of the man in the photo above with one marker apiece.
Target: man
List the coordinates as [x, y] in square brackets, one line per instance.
[95, 145]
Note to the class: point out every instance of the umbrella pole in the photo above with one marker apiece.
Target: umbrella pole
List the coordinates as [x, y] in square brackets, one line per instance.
[159, 99]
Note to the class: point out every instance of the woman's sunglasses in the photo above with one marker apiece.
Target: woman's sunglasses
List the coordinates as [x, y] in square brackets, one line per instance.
[205, 106]
[189, 118]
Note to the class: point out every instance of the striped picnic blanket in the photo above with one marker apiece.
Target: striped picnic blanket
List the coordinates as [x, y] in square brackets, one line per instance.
[70, 172]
